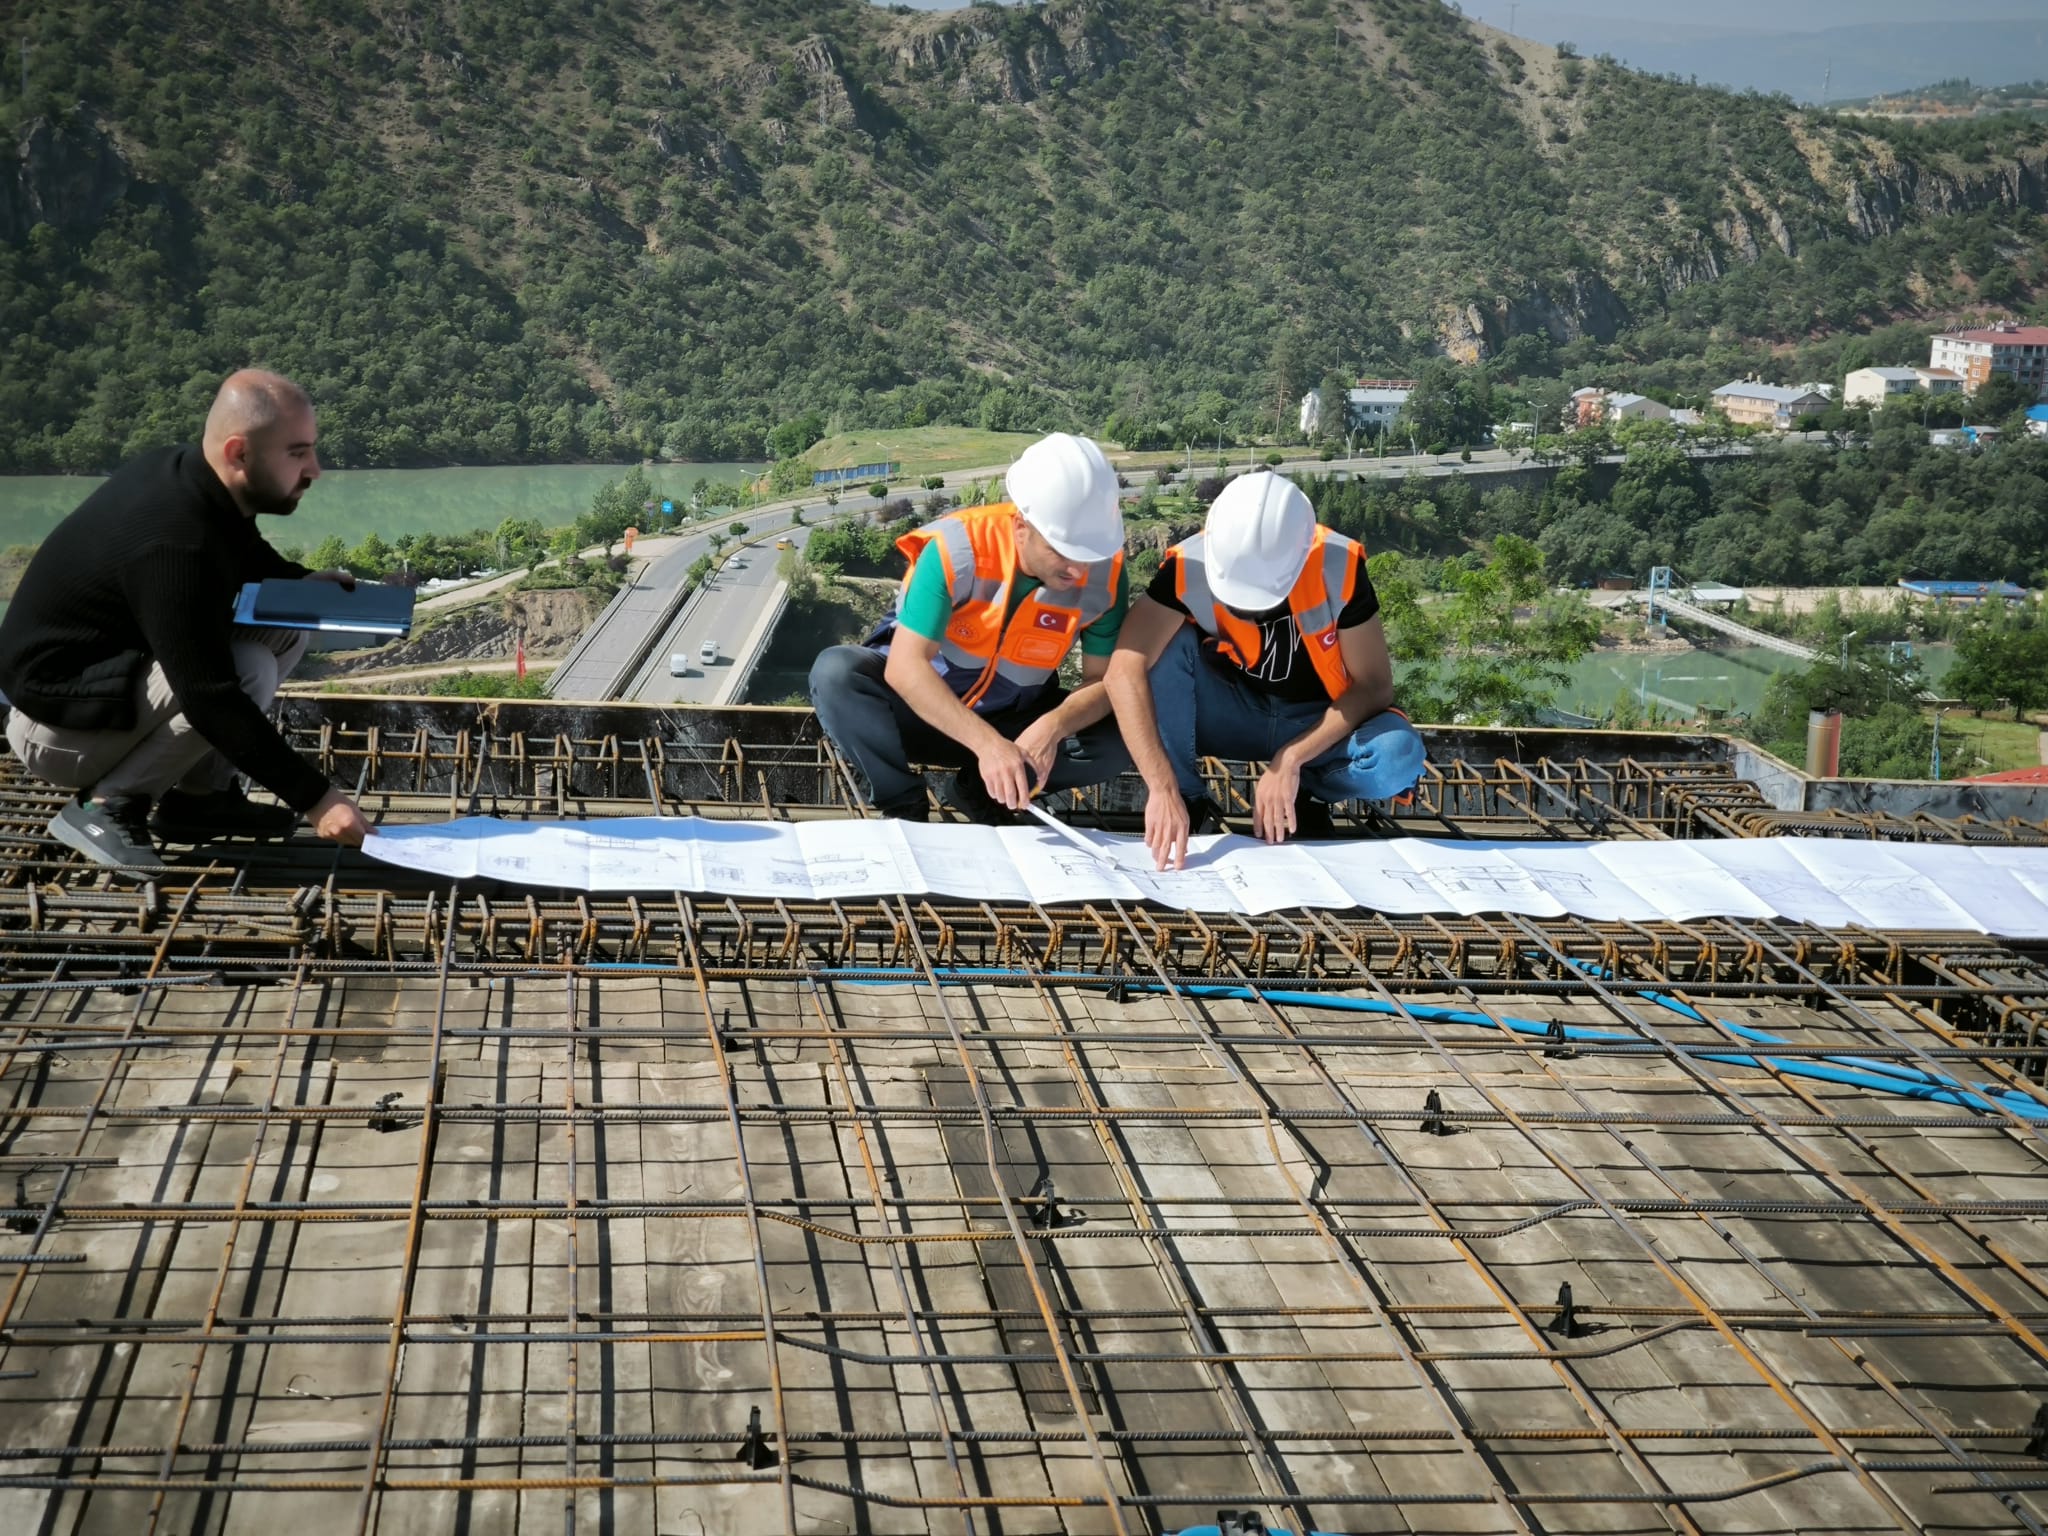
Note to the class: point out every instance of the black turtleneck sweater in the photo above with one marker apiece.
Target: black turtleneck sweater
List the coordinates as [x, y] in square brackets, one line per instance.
[147, 569]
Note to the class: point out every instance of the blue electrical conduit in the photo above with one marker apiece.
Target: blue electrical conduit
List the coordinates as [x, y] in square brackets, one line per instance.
[1852, 1072]
[1907, 1082]
[2010, 1099]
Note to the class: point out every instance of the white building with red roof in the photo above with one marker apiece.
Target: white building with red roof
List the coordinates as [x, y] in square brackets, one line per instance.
[2019, 351]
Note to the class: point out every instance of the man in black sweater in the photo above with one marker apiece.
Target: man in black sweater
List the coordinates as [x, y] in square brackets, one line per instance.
[128, 678]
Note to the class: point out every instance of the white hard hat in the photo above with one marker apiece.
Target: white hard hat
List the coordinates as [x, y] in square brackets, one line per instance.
[1257, 541]
[1067, 491]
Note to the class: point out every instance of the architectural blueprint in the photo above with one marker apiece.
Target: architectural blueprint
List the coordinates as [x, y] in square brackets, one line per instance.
[1830, 882]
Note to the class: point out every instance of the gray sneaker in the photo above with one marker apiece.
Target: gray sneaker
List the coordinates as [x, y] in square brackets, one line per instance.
[114, 831]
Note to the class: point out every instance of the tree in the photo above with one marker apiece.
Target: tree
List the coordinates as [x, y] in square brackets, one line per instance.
[2002, 658]
[699, 569]
[1496, 650]
[329, 554]
[1895, 742]
[1207, 419]
[1286, 377]
[617, 506]
[519, 542]
[1333, 408]
[789, 476]
[792, 437]
[370, 558]
[737, 529]
[1998, 399]
[808, 584]
[1866, 689]
[1448, 405]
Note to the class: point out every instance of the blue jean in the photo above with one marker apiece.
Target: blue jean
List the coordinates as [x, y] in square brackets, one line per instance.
[873, 726]
[1210, 711]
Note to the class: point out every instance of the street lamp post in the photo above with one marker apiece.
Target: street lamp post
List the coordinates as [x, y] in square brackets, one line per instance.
[1935, 764]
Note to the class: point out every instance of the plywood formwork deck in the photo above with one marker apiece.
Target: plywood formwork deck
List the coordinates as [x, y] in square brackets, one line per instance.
[352, 1205]
[644, 1209]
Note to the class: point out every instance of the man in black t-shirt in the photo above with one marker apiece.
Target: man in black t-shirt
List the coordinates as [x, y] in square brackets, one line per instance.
[1260, 638]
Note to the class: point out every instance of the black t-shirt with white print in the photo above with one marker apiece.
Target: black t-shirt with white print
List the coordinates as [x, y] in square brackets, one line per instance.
[1284, 668]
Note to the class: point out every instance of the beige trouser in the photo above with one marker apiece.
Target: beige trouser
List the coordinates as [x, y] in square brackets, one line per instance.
[161, 750]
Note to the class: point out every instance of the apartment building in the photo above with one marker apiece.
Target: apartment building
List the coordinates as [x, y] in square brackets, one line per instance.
[2018, 351]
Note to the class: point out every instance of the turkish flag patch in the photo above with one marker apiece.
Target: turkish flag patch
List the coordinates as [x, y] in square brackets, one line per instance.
[1329, 638]
[1049, 620]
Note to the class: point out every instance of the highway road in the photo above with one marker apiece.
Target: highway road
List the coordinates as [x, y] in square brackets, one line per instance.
[731, 609]
[594, 669]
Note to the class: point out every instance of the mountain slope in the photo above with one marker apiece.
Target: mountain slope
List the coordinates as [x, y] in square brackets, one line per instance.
[540, 229]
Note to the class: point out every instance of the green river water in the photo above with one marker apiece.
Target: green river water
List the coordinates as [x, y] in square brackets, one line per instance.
[353, 503]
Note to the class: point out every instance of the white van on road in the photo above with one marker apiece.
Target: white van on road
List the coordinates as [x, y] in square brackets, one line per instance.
[708, 653]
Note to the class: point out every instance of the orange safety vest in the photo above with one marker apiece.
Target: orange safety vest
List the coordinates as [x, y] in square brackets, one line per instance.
[1327, 580]
[980, 545]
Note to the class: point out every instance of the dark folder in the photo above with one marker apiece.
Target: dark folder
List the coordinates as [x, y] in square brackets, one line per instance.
[371, 609]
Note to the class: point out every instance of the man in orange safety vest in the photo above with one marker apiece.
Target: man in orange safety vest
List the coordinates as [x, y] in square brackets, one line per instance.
[1260, 638]
[964, 672]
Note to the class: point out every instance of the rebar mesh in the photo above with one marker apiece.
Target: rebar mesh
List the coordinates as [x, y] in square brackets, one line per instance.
[343, 1200]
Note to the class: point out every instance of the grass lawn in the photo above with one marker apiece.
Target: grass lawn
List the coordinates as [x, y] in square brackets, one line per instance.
[920, 450]
[935, 450]
[1995, 744]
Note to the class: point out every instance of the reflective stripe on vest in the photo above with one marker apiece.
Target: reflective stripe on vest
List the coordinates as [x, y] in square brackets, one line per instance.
[980, 549]
[1328, 578]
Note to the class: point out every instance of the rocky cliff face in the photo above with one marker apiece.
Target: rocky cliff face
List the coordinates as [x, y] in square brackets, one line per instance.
[68, 176]
[706, 152]
[1880, 195]
[1581, 305]
[1018, 59]
[830, 96]
[1889, 193]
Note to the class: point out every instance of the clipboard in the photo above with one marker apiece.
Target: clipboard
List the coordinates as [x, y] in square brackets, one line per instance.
[371, 609]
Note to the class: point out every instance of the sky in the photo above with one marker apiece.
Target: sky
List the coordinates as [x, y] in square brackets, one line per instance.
[1847, 48]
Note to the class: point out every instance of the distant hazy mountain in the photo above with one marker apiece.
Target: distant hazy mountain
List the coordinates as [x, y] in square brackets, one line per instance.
[1862, 59]
[1855, 47]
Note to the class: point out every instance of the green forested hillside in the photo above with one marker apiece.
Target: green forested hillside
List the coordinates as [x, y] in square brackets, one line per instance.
[538, 230]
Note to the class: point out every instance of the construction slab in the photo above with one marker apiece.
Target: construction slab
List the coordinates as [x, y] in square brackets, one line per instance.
[355, 1204]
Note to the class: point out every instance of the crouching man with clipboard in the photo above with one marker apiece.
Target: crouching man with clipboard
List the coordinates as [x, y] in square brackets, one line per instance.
[128, 679]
